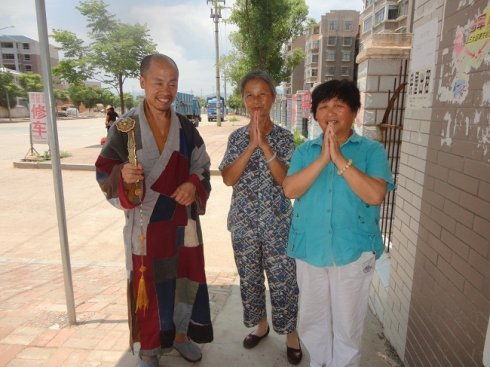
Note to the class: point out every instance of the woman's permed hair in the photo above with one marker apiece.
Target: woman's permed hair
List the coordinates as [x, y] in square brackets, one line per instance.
[345, 90]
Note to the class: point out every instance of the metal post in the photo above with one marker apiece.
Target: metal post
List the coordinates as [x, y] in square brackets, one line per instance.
[216, 15]
[55, 157]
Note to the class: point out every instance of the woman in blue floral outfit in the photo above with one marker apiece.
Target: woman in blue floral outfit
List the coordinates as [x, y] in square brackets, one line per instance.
[255, 164]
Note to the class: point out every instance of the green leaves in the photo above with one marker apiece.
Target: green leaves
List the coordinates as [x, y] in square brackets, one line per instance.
[114, 52]
[264, 26]
[10, 88]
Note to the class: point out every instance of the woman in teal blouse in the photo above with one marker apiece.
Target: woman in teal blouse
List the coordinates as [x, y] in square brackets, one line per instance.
[338, 180]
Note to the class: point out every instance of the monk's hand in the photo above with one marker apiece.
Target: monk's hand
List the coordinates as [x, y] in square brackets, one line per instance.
[185, 194]
[131, 173]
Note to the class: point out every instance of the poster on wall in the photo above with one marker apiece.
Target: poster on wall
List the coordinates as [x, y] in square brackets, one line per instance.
[420, 85]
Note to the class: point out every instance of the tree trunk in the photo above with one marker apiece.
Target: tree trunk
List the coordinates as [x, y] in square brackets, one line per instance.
[121, 94]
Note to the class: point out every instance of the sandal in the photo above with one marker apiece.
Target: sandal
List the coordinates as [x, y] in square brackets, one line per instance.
[252, 340]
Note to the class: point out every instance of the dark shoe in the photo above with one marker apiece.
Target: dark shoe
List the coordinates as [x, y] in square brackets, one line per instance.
[252, 340]
[294, 355]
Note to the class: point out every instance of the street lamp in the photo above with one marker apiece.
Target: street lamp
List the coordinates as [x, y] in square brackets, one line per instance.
[216, 15]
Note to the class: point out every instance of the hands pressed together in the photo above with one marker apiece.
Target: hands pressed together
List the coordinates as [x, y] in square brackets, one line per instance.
[257, 137]
[331, 148]
[185, 194]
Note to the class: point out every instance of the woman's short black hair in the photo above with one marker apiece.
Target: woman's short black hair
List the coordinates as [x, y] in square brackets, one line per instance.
[258, 74]
[345, 90]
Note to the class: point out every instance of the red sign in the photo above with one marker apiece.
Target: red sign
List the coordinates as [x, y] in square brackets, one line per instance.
[39, 118]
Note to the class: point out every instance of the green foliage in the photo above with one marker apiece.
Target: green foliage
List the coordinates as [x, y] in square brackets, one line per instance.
[46, 156]
[263, 28]
[10, 88]
[235, 100]
[30, 82]
[116, 48]
[61, 95]
[90, 96]
[298, 138]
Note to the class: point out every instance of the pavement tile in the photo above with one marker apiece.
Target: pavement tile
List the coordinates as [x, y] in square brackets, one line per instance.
[61, 337]
[44, 338]
[8, 353]
[23, 335]
[35, 353]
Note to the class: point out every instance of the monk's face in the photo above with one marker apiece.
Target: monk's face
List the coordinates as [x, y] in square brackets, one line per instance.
[160, 83]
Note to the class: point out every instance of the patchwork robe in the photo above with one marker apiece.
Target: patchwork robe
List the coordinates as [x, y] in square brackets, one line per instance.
[172, 250]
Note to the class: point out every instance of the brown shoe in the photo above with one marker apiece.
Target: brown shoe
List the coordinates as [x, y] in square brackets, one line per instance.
[252, 340]
[294, 355]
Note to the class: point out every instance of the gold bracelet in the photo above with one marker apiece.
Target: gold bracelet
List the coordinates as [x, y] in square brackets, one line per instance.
[341, 171]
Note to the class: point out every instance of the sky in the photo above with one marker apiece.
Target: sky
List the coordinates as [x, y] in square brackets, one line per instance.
[181, 29]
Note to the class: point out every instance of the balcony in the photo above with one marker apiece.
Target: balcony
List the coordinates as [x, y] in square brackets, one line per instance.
[385, 45]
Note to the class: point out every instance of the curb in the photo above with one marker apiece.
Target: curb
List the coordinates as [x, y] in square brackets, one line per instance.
[72, 166]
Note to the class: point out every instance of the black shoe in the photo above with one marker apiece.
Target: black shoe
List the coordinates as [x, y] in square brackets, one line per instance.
[294, 355]
[252, 340]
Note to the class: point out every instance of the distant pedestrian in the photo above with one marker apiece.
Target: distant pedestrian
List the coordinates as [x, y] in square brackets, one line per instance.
[110, 117]
[255, 164]
[339, 181]
[155, 167]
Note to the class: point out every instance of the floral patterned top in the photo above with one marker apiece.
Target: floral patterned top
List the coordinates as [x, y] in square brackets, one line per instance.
[258, 203]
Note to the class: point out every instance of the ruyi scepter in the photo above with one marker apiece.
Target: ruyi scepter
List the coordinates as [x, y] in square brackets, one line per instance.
[126, 125]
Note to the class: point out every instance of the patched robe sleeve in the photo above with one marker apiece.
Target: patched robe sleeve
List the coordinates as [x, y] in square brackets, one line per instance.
[199, 173]
[108, 171]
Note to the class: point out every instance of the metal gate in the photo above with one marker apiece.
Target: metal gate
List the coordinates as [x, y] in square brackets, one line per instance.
[391, 132]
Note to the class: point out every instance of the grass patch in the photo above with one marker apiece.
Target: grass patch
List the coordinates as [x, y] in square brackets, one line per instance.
[46, 156]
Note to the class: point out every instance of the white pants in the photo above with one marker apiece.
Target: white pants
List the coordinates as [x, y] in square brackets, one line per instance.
[332, 306]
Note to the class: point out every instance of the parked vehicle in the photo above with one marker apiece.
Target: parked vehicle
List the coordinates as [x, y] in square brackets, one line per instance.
[186, 104]
[211, 108]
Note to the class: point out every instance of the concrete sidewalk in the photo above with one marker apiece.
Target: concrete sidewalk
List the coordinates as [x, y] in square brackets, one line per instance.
[33, 323]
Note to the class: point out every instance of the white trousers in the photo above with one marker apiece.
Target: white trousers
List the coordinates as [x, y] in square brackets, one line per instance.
[333, 303]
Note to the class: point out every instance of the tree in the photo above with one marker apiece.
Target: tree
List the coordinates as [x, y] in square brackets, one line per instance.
[263, 29]
[61, 95]
[9, 88]
[30, 82]
[116, 49]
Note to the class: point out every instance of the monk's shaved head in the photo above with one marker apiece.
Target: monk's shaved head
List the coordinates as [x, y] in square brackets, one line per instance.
[147, 60]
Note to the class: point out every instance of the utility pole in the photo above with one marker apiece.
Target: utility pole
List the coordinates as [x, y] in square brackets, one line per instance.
[216, 15]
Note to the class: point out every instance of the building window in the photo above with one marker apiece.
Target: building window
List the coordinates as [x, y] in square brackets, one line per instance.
[330, 70]
[330, 56]
[8, 57]
[314, 58]
[392, 12]
[25, 46]
[28, 67]
[9, 66]
[332, 25]
[332, 41]
[345, 55]
[368, 24]
[345, 71]
[316, 30]
[347, 41]
[7, 45]
[348, 25]
[27, 57]
[379, 16]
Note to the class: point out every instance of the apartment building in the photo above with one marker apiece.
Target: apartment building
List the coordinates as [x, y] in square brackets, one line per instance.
[330, 49]
[22, 54]
[297, 79]
[385, 44]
